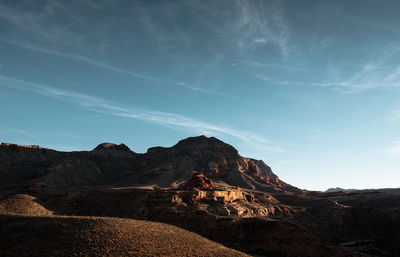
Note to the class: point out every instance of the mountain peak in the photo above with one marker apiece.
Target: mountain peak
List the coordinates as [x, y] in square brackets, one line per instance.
[205, 143]
[114, 147]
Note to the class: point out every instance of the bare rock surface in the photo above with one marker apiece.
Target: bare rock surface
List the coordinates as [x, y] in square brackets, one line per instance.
[199, 181]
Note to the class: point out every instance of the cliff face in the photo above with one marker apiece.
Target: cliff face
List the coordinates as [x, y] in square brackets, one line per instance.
[110, 164]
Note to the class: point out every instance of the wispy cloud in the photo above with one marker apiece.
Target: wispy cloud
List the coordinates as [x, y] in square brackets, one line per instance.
[171, 120]
[245, 25]
[100, 64]
[45, 31]
[240, 24]
[34, 22]
[81, 59]
[24, 137]
[370, 24]
[24, 133]
[376, 73]
[394, 150]
[315, 134]
[298, 83]
[267, 65]
[258, 23]
[344, 86]
[395, 115]
[201, 90]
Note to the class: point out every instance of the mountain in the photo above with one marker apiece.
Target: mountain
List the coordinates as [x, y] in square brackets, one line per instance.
[338, 189]
[116, 165]
[201, 184]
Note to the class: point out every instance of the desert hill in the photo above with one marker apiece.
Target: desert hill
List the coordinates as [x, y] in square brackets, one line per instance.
[100, 236]
[22, 204]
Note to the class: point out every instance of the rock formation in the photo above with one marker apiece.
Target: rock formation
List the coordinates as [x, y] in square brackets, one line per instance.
[200, 182]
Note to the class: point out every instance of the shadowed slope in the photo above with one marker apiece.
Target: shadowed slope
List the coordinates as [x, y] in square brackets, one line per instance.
[95, 236]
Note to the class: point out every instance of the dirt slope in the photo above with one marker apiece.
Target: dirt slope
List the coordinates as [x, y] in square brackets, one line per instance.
[22, 204]
[95, 236]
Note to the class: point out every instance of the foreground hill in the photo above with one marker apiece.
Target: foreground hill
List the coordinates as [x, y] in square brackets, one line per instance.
[95, 236]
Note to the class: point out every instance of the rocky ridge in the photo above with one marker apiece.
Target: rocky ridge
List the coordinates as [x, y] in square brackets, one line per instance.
[116, 165]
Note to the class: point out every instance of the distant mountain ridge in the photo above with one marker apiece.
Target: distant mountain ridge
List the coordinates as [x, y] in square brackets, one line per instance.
[116, 165]
[338, 189]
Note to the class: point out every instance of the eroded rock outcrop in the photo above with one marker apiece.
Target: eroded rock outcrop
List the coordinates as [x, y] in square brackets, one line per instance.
[200, 182]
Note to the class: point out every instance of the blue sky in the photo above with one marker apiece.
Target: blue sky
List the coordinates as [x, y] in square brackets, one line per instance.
[310, 87]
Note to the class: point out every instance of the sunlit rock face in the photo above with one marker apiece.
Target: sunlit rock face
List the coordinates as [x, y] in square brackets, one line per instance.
[200, 182]
[14, 146]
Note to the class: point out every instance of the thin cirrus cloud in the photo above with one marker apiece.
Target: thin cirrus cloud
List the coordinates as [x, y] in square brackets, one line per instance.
[395, 149]
[267, 25]
[375, 73]
[26, 134]
[346, 86]
[81, 59]
[36, 25]
[250, 30]
[106, 66]
[261, 24]
[244, 25]
[395, 115]
[167, 119]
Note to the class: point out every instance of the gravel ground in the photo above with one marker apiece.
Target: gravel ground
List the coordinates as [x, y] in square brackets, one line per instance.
[98, 236]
